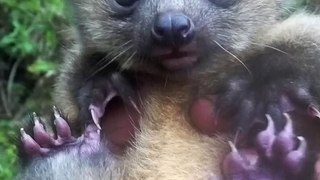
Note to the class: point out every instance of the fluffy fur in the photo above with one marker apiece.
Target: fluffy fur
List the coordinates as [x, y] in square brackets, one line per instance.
[167, 146]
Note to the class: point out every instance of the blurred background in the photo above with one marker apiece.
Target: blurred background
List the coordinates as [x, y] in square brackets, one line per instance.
[31, 39]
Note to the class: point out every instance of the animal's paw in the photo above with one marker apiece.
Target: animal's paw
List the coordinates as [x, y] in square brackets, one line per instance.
[109, 103]
[273, 157]
[246, 100]
[97, 93]
[40, 143]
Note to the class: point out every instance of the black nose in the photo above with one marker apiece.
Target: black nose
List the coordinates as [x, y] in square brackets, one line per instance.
[172, 29]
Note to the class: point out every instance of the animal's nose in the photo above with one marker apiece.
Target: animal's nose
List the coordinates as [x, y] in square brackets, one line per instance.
[172, 29]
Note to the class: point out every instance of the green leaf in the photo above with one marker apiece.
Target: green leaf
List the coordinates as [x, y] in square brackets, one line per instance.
[42, 66]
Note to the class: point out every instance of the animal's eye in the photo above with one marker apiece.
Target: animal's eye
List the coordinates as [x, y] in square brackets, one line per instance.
[123, 7]
[126, 3]
[223, 3]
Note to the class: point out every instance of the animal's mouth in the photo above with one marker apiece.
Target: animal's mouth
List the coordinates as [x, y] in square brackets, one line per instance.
[117, 120]
[175, 59]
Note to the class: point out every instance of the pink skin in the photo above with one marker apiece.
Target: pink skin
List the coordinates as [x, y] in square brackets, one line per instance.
[119, 125]
[174, 59]
[204, 117]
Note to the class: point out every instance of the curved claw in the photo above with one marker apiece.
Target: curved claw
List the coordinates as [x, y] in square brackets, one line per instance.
[40, 134]
[30, 146]
[240, 164]
[63, 129]
[233, 163]
[95, 116]
[284, 142]
[313, 111]
[266, 138]
[43, 143]
[97, 111]
[294, 161]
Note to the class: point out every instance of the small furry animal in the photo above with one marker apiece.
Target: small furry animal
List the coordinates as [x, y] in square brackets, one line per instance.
[160, 87]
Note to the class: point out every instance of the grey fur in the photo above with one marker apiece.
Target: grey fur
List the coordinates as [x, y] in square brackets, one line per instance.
[69, 166]
[127, 40]
[238, 29]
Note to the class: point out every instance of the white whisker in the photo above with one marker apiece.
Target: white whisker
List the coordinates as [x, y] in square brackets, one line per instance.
[271, 47]
[111, 61]
[234, 56]
[102, 61]
[129, 59]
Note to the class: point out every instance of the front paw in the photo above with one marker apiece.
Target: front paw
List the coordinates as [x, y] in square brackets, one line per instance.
[274, 156]
[246, 102]
[109, 103]
[37, 142]
[97, 93]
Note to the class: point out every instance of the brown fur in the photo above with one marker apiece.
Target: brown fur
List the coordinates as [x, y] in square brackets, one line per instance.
[98, 32]
[167, 146]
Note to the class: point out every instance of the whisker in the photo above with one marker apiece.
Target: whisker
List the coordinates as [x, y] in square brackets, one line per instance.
[271, 47]
[234, 56]
[117, 56]
[223, 35]
[111, 61]
[263, 45]
[129, 59]
[111, 52]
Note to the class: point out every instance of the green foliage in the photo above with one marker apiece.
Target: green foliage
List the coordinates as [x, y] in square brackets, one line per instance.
[42, 66]
[31, 27]
[8, 151]
[28, 49]
[29, 41]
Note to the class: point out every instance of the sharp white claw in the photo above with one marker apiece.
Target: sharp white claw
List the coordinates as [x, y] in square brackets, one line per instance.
[95, 118]
[303, 144]
[56, 112]
[288, 127]
[22, 132]
[98, 111]
[232, 146]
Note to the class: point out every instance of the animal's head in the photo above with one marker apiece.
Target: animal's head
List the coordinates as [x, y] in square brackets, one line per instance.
[171, 36]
